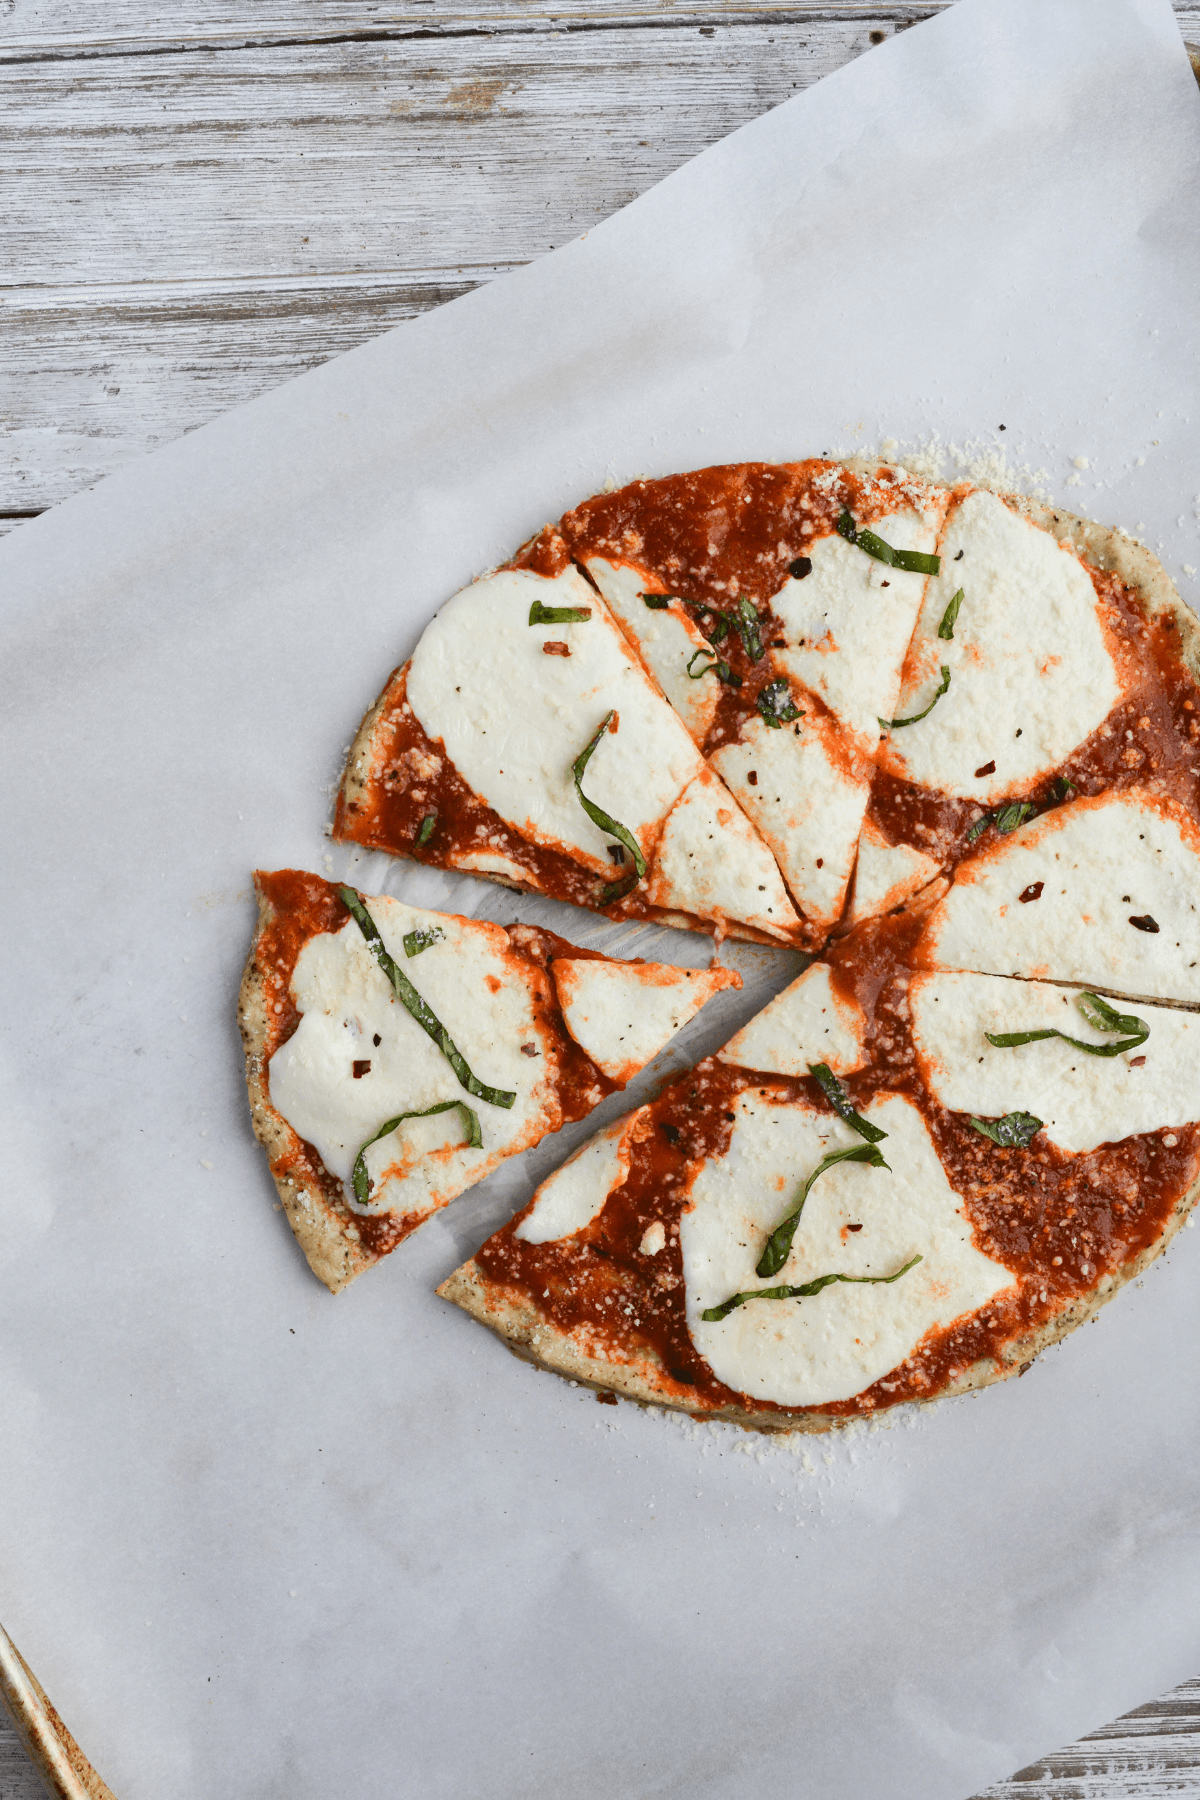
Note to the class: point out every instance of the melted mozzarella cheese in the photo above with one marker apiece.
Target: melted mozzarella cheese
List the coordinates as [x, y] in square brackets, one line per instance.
[1031, 670]
[514, 719]
[712, 862]
[886, 874]
[575, 1194]
[484, 998]
[807, 801]
[666, 639]
[1098, 864]
[836, 1344]
[622, 1014]
[849, 622]
[1082, 1100]
[808, 1023]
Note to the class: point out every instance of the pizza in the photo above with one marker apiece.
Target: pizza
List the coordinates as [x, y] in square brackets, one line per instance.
[833, 679]
[944, 740]
[890, 1186]
[395, 1056]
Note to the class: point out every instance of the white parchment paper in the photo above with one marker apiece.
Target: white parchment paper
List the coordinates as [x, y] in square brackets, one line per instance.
[259, 1541]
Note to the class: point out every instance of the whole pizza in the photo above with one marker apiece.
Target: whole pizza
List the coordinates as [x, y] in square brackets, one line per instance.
[943, 740]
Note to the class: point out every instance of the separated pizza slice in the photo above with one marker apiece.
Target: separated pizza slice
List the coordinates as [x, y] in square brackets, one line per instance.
[524, 741]
[395, 1056]
[1052, 658]
[774, 604]
[1103, 891]
[876, 1193]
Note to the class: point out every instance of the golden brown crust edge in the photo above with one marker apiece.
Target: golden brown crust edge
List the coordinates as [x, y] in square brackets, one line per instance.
[516, 1320]
[319, 1225]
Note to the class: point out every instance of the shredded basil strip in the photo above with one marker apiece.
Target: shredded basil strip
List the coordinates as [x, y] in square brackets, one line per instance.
[918, 562]
[1063, 788]
[1098, 1014]
[746, 624]
[804, 1292]
[915, 718]
[617, 890]
[362, 1181]
[779, 1244]
[720, 630]
[979, 827]
[718, 667]
[1015, 1131]
[426, 1018]
[427, 825]
[839, 1099]
[1009, 817]
[416, 941]
[597, 814]
[776, 706]
[946, 628]
[558, 615]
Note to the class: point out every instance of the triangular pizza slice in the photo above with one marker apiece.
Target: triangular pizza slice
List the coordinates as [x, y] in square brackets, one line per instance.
[1052, 658]
[1102, 891]
[525, 741]
[395, 1056]
[887, 1187]
[774, 603]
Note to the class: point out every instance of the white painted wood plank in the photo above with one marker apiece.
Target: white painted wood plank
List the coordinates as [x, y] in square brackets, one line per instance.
[223, 220]
[367, 156]
[79, 28]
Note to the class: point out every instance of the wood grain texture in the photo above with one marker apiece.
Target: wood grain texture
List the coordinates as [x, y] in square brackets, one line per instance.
[200, 205]
[226, 219]
[235, 206]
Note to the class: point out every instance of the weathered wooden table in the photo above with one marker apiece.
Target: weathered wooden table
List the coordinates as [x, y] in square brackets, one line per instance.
[196, 211]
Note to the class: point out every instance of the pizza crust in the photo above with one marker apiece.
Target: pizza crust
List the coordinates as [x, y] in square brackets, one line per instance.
[516, 1321]
[324, 1226]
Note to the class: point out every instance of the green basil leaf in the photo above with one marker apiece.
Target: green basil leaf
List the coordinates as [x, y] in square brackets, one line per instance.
[920, 562]
[1015, 1131]
[1009, 817]
[426, 1018]
[718, 667]
[427, 825]
[839, 1099]
[917, 562]
[597, 814]
[617, 890]
[1099, 1014]
[746, 623]
[779, 1244]
[1064, 789]
[979, 827]
[558, 615]
[658, 602]
[416, 941]
[776, 706]
[875, 546]
[804, 1292]
[915, 718]
[946, 628]
[359, 1177]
